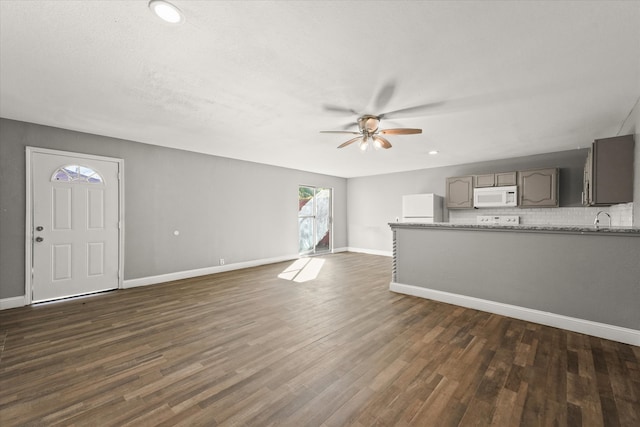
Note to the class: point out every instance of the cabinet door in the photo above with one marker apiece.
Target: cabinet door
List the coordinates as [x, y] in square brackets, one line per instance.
[506, 178]
[587, 184]
[612, 179]
[485, 180]
[460, 192]
[538, 188]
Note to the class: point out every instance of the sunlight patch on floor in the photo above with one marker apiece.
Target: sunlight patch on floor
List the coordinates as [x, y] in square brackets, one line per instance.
[302, 270]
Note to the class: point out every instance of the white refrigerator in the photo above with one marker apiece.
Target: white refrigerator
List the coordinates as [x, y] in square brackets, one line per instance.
[423, 208]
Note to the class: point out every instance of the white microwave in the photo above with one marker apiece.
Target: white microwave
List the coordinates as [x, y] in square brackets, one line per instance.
[493, 197]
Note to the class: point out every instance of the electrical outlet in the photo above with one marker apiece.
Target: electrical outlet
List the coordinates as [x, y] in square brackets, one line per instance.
[221, 261]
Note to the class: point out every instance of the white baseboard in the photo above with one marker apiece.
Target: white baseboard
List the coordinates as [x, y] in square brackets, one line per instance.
[13, 302]
[371, 251]
[601, 330]
[343, 249]
[153, 280]
[162, 278]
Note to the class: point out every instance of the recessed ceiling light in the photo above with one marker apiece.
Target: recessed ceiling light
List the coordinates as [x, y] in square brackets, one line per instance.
[433, 152]
[166, 11]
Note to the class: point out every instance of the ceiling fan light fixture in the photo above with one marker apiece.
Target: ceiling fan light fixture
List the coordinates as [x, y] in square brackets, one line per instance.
[166, 11]
[369, 134]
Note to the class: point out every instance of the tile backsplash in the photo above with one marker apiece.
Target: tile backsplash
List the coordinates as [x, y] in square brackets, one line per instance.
[621, 215]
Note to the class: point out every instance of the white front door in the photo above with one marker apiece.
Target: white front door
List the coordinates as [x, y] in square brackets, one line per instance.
[74, 225]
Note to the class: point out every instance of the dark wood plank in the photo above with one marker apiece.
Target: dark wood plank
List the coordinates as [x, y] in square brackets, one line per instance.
[249, 348]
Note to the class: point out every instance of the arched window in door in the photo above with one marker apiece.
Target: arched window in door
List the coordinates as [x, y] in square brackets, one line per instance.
[77, 173]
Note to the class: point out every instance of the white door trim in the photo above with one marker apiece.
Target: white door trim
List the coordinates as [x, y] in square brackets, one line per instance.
[28, 294]
[314, 217]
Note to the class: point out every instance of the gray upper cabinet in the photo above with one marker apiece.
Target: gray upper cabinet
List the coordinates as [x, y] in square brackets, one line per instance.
[608, 175]
[459, 192]
[496, 179]
[538, 188]
[506, 178]
[486, 180]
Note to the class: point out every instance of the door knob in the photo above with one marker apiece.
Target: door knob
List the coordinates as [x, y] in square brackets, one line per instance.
[39, 228]
[39, 239]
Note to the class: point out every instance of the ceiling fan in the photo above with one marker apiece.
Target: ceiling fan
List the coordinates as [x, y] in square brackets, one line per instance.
[369, 133]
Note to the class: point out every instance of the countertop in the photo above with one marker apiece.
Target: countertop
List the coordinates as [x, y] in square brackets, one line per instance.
[570, 229]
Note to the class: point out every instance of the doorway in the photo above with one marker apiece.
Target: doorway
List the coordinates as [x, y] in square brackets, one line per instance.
[315, 220]
[74, 224]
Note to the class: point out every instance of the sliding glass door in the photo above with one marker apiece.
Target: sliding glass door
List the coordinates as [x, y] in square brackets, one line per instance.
[314, 220]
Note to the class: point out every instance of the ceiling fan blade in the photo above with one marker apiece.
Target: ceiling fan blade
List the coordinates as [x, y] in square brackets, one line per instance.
[384, 143]
[384, 96]
[407, 112]
[338, 109]
[400, 131]
[349, 125]
[351, 141]
[340, 131]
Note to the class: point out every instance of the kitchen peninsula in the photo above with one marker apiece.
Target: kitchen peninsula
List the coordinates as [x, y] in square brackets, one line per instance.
[580, 278]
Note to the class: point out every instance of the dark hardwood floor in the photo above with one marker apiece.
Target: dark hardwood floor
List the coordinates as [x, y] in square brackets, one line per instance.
[246, 348]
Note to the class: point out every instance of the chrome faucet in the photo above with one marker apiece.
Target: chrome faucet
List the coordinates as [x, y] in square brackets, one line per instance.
[596, 222]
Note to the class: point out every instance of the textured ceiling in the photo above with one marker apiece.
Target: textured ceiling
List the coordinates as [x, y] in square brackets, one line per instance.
[258, 80]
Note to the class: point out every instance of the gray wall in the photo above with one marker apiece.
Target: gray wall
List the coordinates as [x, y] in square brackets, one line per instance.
[236, 210]
[632, 126]
[223, 208]
[375, 201]
[585, 276]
